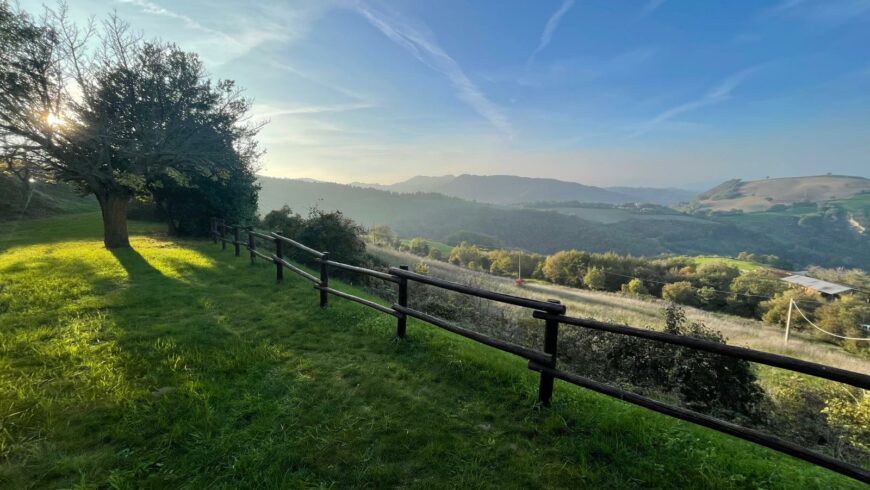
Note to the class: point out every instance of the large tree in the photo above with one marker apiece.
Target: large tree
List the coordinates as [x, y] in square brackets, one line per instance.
[117, 116]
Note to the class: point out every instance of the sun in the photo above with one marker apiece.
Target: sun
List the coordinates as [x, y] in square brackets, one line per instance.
[54, 120]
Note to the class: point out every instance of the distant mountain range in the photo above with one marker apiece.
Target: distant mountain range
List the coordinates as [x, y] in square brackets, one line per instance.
[510, 189]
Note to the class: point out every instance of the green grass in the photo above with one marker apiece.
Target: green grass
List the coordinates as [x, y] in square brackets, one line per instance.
[743, 265]
[176, 365]
[433, 244]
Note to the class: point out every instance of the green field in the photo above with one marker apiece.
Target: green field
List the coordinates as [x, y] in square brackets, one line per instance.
[433, 244]
[743, 265]
[176, 365]
[616, 215]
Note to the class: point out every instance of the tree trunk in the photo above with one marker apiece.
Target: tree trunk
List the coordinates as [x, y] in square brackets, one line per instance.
[114, 208]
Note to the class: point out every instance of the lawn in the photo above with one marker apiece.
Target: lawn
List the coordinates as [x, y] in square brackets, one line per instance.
[176, 365]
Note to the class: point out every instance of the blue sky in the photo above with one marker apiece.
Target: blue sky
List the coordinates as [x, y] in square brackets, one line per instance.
[607, 92]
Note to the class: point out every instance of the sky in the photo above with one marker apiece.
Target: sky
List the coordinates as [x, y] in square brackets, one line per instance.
[607, 92]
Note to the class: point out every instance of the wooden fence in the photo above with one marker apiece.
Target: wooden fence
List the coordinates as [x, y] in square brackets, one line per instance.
[545, 361]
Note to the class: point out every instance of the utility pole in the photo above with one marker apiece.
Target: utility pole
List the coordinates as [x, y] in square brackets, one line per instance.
[788, 319]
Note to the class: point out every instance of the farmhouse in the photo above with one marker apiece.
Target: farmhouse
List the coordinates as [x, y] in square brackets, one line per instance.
[825, 288]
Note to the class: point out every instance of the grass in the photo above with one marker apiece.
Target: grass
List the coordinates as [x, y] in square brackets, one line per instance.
[444, 248]
[743, 265]
[174, 364]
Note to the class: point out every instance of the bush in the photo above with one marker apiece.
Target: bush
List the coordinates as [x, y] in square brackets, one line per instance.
[435, 254]
[636, 287]
[681, 292]
[566, 267]
[594, 278]
[418, 246]
[705, 382]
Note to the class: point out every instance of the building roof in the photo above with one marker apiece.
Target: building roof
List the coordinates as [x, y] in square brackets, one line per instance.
[817, 284]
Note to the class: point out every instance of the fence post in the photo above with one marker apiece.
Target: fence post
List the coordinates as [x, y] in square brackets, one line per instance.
[214, 232]
[252, 246]
[223, 235]
[402, 321]
[551, 344]
[279, 253]
[324, 280]
[236, 238]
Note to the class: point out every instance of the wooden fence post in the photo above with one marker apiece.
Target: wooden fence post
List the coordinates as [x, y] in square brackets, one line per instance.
[402, 321]
[279, 253]
[236, 238]
[214, 232]
[551, 344]
[223, 235]
[252, 246]
[324, 280]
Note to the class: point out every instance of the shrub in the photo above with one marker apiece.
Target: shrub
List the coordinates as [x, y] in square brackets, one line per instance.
[419, 246]
[435, 254]
[594, 278]
[566, 267]
[636, 287]
[681, 292]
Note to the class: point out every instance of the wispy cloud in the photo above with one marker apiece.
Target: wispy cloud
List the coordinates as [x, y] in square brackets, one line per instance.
[827, 11]
[716, 94]
[550, 28]
[270, 111]
[422, 44]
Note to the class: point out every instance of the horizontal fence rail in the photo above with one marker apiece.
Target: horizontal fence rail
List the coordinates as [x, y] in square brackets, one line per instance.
[553, 314]
[790, 363]
[480, 293]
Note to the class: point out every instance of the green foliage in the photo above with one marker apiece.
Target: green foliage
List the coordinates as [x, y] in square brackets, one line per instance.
[704, 382]
[383, 235]
[470, 256]
[776, 309]
[435, 254]
[751, 289]
[419, 246]
[845, 316]
[566, 267]
[681, 292]
[635, 287]
[594, 278]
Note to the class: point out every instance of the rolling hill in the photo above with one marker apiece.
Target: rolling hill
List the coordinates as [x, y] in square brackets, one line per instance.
[436, 216]
[761, 195]
[511, 189]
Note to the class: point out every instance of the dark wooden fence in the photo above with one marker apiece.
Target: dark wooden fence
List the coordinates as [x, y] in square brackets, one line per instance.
[544, 361]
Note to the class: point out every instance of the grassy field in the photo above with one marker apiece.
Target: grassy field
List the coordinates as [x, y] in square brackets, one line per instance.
[743, 265]
[176, 365]
[444, 248]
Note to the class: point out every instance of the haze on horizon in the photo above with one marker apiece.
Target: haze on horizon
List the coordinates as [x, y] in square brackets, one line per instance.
[658, 92]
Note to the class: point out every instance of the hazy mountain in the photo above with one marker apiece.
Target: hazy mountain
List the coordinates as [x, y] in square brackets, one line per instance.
[506, 189]
[760, 195]
[665, 196]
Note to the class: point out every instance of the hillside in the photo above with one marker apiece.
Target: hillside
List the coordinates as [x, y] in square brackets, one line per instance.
[43, 199]
[761, 195]
[511, 189]
[438, 217]
[174, 365]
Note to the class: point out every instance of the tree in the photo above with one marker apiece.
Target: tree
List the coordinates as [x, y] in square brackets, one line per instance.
[435, 254]
[383, 235]
[635, 287]
[681, 292]
[566, 267]
[776, 309]
[845, 316]
[119, 119]
[751, 288]
[419, 246]
[470, 256]
[594, 278]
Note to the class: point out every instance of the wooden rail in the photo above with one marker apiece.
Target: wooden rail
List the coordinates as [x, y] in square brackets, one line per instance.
[545, 363]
